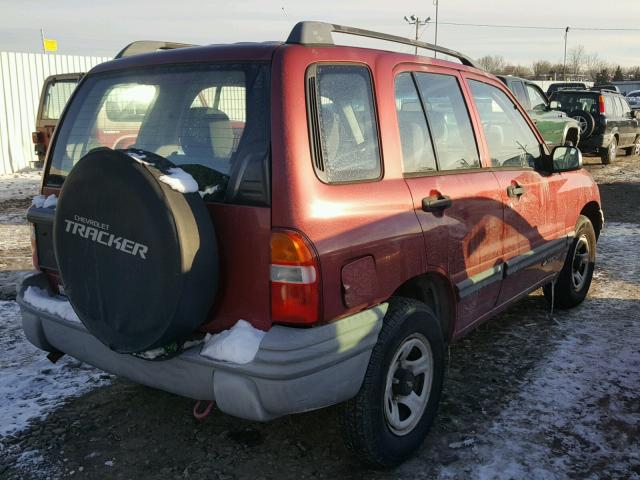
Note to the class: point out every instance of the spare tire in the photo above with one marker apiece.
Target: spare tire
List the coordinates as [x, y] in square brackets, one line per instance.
[586, 121]
[138, 260]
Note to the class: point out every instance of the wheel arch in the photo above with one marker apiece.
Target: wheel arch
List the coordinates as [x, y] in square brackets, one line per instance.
[571, 133]
[593, 212]
[435, 290]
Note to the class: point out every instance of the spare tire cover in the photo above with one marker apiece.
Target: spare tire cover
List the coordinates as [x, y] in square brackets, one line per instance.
[137, 259]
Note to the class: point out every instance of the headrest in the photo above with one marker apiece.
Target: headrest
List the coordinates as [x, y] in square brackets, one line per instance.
[206, 132]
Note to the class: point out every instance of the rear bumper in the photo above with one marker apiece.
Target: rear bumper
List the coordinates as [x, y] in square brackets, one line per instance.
[295, 370]
[594, 143]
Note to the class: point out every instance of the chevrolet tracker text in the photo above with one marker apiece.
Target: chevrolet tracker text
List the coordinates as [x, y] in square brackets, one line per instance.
[105, 238]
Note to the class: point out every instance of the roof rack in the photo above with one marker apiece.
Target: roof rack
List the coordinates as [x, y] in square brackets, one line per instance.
[147, 46]
[319, 33]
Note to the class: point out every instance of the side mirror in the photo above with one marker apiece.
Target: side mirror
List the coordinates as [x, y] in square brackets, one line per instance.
[566, 159]
[554, 105]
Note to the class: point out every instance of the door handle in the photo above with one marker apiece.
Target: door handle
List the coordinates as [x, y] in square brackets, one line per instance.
[436, 203]
[515, 190]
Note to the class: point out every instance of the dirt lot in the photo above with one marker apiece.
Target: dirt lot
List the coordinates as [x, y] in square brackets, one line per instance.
[528, 395]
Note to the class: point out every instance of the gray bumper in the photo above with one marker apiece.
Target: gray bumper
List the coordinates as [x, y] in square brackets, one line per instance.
[295, 370]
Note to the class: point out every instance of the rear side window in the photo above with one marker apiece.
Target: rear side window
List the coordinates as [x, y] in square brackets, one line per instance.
[343, 128]
[56, 97]
[623, 106]
[510, 140]
[449, 121]
[417, 150]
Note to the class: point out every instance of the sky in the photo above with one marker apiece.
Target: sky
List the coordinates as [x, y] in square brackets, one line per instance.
[103, 27]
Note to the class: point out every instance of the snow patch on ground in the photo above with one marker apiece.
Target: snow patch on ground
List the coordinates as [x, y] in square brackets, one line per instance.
[20, 185]
[577, 407]
[236, 345]
[179, 180]
[30, 385]
[56, 305]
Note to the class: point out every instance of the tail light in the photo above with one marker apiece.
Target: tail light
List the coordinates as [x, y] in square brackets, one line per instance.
[295, 279]
[601, 103]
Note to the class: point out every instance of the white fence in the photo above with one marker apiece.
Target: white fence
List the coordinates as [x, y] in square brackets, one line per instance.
[21, 78]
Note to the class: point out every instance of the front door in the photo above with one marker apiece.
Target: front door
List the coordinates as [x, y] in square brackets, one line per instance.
[456, 201]
[514, 150]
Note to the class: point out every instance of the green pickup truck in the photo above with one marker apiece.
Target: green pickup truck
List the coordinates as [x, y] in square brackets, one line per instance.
[555, 126]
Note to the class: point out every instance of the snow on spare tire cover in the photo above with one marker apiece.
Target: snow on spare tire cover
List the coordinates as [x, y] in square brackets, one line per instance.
[138, 260]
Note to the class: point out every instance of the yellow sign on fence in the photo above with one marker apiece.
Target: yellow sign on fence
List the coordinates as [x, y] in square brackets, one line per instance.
[50, 45]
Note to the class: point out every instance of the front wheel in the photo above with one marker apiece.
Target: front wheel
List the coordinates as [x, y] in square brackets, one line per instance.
[393, 411]
[573, 283]
[634, 149]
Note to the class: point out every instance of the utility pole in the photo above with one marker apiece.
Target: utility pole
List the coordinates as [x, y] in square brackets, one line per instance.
[413, 20]
[42, 40]
[435, 42]
[564, 66]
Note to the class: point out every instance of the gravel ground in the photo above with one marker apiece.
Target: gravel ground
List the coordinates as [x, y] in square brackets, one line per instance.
[527, 395]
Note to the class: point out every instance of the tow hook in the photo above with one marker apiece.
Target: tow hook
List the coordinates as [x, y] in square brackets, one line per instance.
[202, 409]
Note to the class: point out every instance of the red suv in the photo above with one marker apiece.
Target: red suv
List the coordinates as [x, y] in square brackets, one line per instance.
[340, 214]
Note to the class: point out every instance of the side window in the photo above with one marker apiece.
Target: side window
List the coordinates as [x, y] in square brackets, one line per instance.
[536, 98]
[510, 140]
[624, 106]
[610, 106]
[56, 98]
[417, 150]
[344, 133]
[448, 121]
[521, 95]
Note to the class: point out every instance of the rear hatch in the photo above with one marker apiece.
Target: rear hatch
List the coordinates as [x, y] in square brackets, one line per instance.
[212, 120]
[583, 105]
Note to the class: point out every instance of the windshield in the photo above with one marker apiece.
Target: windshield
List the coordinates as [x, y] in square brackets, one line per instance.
[211, 120]
[571, 102]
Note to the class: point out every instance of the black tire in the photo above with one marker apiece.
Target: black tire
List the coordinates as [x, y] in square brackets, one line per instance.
[568, 294]
[365, 427]
[586, 121]
[138, 259]
[633, 149]
[608, 155]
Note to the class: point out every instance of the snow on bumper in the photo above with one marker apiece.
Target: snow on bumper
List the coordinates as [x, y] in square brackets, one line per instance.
[294, 370]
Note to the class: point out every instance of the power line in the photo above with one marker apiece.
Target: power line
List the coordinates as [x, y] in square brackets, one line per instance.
[538, 27]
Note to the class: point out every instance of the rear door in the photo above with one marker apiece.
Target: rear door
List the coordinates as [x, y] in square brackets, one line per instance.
[514, 149]
[456, 201]
[627, 123]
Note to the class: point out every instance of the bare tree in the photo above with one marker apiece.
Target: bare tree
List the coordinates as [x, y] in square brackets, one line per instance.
[492, 63]
[541, 68]
[575, 59]
[594, 66]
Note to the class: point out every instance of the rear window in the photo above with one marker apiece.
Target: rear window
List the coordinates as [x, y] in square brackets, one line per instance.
[56, 96]
[210, 120]
[571, 102]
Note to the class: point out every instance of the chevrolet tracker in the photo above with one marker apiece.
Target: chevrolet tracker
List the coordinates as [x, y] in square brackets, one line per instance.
[280, 227]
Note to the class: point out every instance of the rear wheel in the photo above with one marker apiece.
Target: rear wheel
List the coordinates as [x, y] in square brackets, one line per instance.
[395, 407]
[608, 155]
[573, 283]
